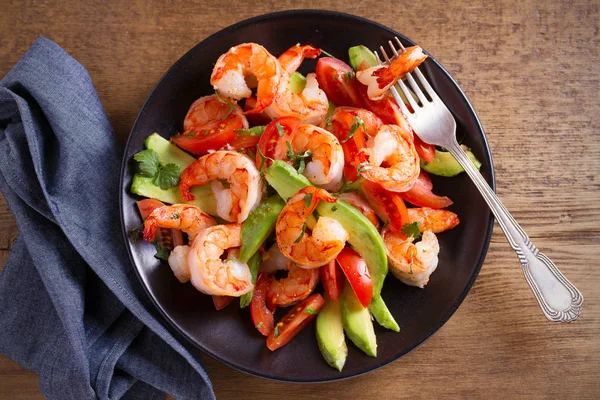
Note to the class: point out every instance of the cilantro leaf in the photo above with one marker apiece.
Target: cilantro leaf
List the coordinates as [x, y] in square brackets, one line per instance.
[167, 176]
[361, 167]
[334, 208]
[301, 234]
[134, 233]
[280, 130]
[259, 325]
[161, 252]
[308, 199]
[276, 332]
[348, 77]
[149, 162]
[254, 131]
[310, 310]
[357, 122]
[298, 159]
[412, 229]
[227, 103]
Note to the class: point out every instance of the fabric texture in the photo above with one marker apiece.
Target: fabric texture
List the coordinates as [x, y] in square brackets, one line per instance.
[71, 308]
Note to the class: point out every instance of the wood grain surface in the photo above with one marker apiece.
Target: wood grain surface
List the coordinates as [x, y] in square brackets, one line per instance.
[531, 70]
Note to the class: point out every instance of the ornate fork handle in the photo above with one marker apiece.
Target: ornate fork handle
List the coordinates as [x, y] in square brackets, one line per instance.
[559, 300]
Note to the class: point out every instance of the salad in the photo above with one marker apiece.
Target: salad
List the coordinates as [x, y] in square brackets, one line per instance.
[291, 191]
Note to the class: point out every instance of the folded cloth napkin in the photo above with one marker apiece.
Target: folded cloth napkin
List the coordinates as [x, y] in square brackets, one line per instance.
[71, 308]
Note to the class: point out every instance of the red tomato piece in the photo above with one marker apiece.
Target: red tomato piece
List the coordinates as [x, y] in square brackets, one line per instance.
[262, 317]
[337, 80]
[332, 279]
[357, 273]
[210, 124]
[297, 318]
[221, 302]
[426, 151]
[146, 206]
[244, 142]
[421, 195]
[271, 144]
[388, 205]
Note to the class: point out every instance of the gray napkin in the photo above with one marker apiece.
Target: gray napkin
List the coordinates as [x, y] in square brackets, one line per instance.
[71, 308]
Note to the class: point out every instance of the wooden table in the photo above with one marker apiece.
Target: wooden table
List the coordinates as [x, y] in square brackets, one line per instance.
[531, 70]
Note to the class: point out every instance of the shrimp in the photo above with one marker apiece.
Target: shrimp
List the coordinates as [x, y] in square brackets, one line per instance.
[298, 285]
[326, 166]
[245, 186]
[311, 104]
[352, 127]
[380, 79]
[211, 275]
[357, 201]
[309, 250]
[429, 219]
[411, 263]
[186, 217]
[178, 261]
[391, 159]
[245, 60]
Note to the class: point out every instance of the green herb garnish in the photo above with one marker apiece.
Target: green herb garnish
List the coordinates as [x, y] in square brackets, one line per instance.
[299, 159]
[254, 131]
[412, 229]
[357, 122]
[301, 234]
[310, 310]
[161, 252]
[280, 130]
[308, 199]
[227, 103]
[276, 332]
[259, 325]
[165, 176]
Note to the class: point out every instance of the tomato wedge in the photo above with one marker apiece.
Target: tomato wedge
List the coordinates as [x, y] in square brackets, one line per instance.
[297, 318]
[262, 317]
[271, 144]
[337, 80]
[244, 142]
[389, 206]
[421, 195]
[221, 302]
[332, 279]
[425, 151]
[357, 273]
[210, 124]
[146, 206]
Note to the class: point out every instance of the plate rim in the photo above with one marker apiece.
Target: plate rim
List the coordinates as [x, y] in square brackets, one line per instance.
[333, 15]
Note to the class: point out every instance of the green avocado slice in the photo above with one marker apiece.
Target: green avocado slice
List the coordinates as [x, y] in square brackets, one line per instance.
[357, 322]
[330, 334]
[444, 163]
[259, 225]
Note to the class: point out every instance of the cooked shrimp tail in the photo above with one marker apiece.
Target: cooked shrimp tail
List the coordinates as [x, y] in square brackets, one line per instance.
[190, 219]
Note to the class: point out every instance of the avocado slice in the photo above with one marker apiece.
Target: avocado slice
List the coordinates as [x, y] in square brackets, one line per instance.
[357, 322]
[363, 236]
[168, 152]
[382, 315]
[297, 83]
[358, 54]
[444, 163]
[330, 334]
[254, 265]
[259, 225]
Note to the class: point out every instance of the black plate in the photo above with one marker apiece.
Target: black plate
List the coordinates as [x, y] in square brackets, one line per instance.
[229, 335]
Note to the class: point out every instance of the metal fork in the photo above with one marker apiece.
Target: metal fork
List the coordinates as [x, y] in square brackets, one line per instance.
[431, 120]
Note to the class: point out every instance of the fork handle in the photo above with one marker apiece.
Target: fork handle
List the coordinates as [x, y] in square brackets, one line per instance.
[559, 300]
